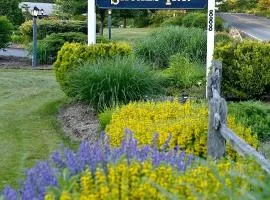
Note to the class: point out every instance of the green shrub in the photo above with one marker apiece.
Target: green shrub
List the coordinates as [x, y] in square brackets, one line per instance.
[49, 46]
[5, 31]
[167, 41]
[246, 69]
[184, 73]
[116, 81]
[47, 27]
[73, 54]
[189, 18]
[255, 115]
[173, 21]
[199, 20]
[105, 117]
[223, 37]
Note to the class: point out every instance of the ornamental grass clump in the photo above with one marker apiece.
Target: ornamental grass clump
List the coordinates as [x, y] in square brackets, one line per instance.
[111, 82]
[187, 123]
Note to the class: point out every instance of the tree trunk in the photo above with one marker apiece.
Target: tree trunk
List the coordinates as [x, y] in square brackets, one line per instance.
[102, 19]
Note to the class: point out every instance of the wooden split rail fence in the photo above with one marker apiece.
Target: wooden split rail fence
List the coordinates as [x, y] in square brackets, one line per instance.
[218, 132]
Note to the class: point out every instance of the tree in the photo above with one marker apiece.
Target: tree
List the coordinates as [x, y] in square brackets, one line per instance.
[5, 31]
[69, 8]
[10, 8]
[264, 5]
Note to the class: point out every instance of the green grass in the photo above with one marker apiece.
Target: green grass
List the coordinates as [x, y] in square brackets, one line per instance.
[128, 34]
[29, 130]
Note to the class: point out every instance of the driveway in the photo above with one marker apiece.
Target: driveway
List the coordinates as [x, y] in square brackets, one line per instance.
[252, 26]
[14, 52]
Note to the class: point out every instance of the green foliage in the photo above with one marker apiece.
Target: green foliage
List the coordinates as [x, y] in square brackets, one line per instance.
[183, 73]
[49, 46]
[223, 37]
[10, 9]
[199, 20]
[67, 9]
[105, 117]
[73, 54]
[173, 21]
[246, 68]
[5, 31]
[48, 27]
[142, 19]
[167, 41]
[116, 81]
[255, 115]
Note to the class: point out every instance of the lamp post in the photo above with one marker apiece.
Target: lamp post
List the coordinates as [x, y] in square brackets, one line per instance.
[34, 56]
[110, 23]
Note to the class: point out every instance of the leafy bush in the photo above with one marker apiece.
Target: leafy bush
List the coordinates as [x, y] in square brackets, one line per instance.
[187, 124]
[48, 27]
[49, 46]
[223, 37]
[96, 171]
[6, 31]
[115, 81]
[167, 41]
[183, 72]
[255, 115]
[173, 21]
[199, 20]
[73, 54]
[246, 69]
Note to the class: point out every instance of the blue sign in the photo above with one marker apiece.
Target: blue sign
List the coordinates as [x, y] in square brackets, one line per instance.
[152, 4]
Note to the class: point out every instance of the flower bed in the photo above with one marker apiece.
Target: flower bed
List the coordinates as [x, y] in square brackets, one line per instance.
[186, 123]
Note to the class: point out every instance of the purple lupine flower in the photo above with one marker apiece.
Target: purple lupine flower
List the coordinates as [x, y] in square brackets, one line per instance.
[10, 194]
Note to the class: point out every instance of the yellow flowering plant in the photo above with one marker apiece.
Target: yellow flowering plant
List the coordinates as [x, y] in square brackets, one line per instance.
[187, 123]
[144, 181]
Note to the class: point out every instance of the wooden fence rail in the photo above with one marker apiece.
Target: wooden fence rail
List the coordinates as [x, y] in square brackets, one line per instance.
[218, 133]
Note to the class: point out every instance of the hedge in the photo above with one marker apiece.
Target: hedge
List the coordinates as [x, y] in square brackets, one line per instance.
[246, 69]
[47, 27]
[73, 54]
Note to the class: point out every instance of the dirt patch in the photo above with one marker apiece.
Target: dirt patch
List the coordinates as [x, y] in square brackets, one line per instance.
[10, 62]
[79, 121]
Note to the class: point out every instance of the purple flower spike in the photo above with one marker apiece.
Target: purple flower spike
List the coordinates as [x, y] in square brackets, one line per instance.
[10, 194]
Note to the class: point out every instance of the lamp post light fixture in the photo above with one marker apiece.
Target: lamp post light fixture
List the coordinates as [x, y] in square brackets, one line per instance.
[110, 23]
[35, 13]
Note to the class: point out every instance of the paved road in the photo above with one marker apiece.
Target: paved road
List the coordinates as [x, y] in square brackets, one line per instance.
[14, 52]
[253, 26]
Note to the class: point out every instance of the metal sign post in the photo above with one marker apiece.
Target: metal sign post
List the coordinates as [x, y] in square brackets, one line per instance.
[91, 22]
[210, 37]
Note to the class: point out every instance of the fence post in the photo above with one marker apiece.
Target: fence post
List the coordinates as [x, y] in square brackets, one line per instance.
[217, 115]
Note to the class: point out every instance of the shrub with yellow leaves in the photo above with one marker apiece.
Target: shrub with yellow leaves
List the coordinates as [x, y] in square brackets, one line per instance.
[187, 123]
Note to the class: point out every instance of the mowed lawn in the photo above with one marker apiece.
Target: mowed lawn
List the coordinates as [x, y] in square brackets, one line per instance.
[128, 34]
[29, 131]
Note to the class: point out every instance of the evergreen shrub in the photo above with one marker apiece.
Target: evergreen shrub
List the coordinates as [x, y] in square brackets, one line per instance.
[114, 81]
[246, 69]
[48, 27]
[5, 31]
[167, 41]
[72, 55]
[50, 45]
